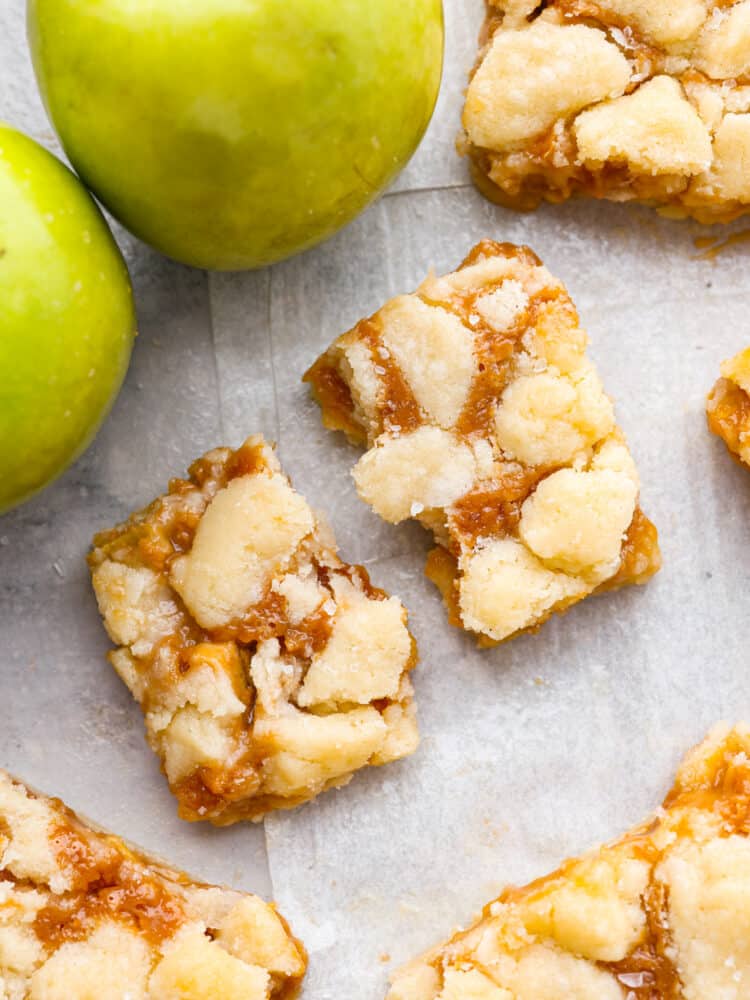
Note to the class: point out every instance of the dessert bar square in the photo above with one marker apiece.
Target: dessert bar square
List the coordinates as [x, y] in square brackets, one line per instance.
[484, 419]
[268, 670]
[728, 406]
[83, 916]
[619, 99]
[661, 914]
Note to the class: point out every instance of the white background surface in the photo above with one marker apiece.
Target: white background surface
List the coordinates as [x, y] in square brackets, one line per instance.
[531, 751]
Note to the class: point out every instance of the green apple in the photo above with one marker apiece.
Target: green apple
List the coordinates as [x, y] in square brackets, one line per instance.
[66, 317]
[232, 133]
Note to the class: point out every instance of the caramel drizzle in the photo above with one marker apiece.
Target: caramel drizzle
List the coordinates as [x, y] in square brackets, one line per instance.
[494, 511]
[214, 791]
[400, 412]
[493, 248]
[648, 973]
[269, 617]
[442, 569]
[112, 884]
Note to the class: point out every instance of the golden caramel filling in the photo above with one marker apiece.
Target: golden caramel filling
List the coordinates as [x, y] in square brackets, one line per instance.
[728, 414]
[648, 973]
[400, 412]
[128, 897]
[640, 556]
[333, 394]
[496, 511]
[112, 882]
[442, 569]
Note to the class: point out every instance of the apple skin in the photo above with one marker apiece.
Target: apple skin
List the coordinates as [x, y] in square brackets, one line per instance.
[66, 317]
[230, 134]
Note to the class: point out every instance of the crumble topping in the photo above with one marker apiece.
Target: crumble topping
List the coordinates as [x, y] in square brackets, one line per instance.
[661, 914]
[728, 406]
[484, 419]
[268, 670]
[84, 915]
[619, 99]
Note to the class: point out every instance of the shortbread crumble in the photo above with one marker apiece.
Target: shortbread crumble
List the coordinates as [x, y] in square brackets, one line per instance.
[728, 406]
[619, 99]
[268, 670]
[484, 419]
[85, 917]
[661, 914]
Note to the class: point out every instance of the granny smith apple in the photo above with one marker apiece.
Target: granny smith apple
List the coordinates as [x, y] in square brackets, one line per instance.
[66, 317]
[232, 133]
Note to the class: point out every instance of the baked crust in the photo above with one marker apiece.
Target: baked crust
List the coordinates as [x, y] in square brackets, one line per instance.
[85, 916]
[484, 419]
[268, 670]
[661, 914]
[618, 99]
[728, 406]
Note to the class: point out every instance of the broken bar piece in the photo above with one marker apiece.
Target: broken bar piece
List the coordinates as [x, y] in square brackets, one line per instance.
[268, 670]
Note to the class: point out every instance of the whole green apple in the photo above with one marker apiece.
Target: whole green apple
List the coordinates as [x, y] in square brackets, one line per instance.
[66, 317]
[232, 133]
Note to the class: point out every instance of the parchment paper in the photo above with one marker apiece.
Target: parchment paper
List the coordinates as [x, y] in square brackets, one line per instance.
[529, 752]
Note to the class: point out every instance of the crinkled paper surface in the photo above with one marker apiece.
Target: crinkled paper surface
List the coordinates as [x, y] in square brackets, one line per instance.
[531, 751]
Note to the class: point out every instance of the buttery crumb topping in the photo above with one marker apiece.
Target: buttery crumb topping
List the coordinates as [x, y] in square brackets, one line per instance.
[484, 419]
[618, 99]
[268, 670]
[661, 914]
[84, 916]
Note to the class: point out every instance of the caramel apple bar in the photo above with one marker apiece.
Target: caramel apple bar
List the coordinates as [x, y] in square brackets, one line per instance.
[484, 419]
[268, 670]
[661, 914]
[85, 917]
[619, 99]
[728, 406]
